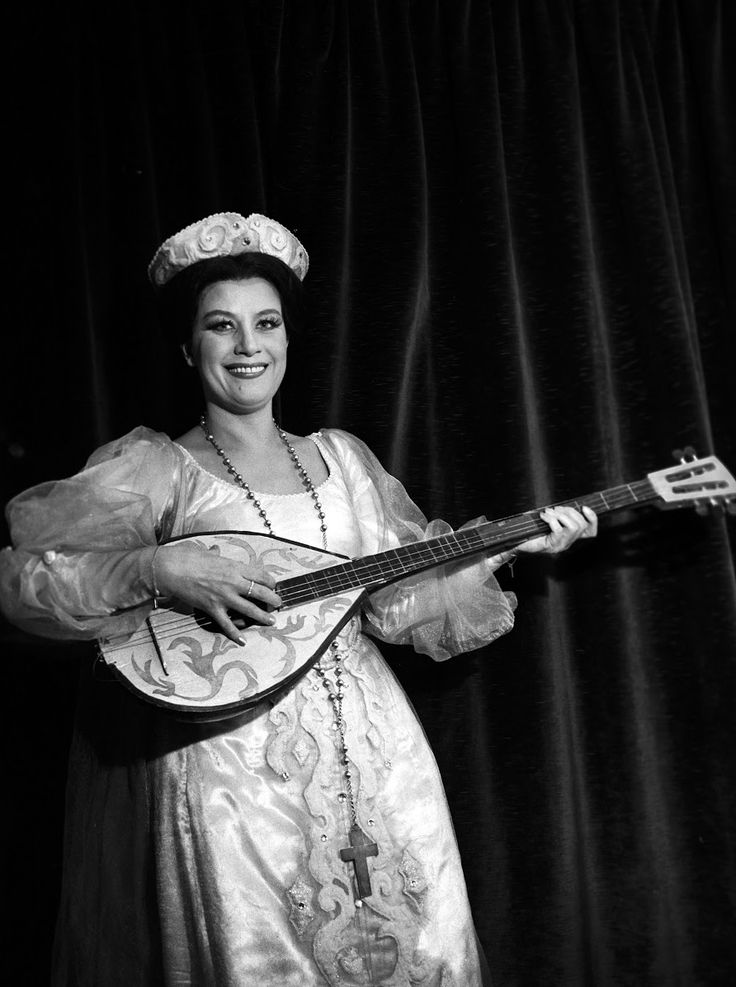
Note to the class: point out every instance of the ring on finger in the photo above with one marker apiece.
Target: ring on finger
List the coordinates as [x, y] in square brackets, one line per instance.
[248, 591]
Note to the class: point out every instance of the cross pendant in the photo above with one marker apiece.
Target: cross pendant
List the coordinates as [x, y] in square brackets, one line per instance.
[359, 850]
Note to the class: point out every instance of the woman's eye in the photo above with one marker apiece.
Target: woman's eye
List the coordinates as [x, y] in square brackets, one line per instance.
[222, 325]
[270, 323]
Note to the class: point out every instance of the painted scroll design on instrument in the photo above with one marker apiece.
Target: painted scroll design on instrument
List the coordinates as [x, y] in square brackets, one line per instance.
[278, 650]
[202, 664]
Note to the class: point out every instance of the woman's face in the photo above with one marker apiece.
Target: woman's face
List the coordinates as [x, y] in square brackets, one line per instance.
[239, 344]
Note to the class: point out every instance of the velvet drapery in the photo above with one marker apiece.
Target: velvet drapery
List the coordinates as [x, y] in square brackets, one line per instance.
[520, 220]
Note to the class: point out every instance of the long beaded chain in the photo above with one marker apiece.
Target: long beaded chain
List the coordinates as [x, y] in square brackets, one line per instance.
[336, 695]
[361, 846]
[358, 846]
[243, 483]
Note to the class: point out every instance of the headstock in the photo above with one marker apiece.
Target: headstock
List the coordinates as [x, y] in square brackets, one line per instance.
[703, 483]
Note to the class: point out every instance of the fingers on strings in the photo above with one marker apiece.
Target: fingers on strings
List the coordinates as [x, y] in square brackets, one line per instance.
[250, 600]
[567, 524]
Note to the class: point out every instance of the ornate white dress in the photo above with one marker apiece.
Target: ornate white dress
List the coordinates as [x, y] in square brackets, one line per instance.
[210, 854]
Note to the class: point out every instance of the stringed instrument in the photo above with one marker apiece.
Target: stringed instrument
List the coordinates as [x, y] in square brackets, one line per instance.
[181, 661]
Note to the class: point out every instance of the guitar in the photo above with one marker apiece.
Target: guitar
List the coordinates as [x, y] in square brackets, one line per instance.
[180, 661]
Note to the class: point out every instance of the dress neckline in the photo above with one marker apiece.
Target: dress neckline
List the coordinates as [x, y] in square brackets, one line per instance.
[314, 436]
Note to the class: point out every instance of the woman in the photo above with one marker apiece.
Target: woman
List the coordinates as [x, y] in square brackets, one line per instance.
[230, 853]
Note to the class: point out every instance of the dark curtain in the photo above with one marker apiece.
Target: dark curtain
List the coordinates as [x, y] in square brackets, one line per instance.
[520, 217]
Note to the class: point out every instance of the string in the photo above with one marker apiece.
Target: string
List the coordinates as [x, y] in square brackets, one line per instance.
[384, 567]
[410, 558]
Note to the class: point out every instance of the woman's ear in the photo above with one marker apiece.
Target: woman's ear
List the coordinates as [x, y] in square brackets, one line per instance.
[185, 348]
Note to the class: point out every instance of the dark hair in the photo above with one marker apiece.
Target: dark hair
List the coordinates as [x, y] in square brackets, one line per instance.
[179, 299]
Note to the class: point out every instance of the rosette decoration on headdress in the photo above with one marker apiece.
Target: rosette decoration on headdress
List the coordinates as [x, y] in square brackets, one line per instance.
[222, 235]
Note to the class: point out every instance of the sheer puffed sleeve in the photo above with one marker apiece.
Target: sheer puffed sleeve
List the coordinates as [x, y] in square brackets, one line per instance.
[441, 612]
[80, 565]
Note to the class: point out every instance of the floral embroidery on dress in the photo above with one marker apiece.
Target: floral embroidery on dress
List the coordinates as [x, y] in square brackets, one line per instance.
[283, 716]
[301, 751]
[301, 913]
[378, 943]
[415, 882]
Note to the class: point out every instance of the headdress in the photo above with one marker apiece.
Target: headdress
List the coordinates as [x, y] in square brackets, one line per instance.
[227, 234]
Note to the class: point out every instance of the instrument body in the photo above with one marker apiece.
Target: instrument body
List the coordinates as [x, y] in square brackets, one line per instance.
[180, 661]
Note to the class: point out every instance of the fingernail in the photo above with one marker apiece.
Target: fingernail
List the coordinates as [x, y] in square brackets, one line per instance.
[241, 640]
[272, 620]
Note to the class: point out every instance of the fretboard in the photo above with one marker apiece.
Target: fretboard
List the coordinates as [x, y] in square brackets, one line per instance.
[373, 571]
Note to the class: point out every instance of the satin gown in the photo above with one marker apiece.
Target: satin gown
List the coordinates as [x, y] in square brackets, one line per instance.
[210, 854]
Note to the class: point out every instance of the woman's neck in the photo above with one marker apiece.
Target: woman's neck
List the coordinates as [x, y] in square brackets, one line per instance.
[250, 431]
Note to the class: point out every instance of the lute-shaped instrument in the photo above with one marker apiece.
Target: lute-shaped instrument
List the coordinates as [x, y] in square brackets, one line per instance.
[179, 660]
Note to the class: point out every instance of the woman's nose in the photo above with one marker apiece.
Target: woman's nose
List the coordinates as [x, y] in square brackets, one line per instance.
[247, 342]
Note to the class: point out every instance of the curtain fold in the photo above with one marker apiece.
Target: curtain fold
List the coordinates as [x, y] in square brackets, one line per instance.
[520, 217]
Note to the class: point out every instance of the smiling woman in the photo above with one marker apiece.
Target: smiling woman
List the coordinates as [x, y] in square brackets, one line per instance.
[305, 840]
[238, 345]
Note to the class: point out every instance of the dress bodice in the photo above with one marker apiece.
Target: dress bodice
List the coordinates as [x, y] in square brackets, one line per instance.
[215, 503]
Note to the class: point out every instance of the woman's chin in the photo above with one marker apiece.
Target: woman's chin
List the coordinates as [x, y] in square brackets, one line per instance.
[241, 404]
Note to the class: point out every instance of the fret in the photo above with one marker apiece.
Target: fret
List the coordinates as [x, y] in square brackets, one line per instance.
[373, 571]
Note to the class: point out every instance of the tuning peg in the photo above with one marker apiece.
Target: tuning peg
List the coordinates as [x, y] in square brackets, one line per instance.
[685, 455]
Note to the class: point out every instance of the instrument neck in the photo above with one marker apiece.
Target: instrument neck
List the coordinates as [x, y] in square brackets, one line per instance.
[372, 571]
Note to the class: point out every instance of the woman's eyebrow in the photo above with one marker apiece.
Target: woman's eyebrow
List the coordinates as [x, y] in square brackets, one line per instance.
[231, 315]
[217, 311]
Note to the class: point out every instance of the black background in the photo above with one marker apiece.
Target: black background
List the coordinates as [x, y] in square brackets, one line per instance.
[520, 219]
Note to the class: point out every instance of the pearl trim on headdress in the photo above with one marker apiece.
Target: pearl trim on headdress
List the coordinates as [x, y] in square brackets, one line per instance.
[222, 235]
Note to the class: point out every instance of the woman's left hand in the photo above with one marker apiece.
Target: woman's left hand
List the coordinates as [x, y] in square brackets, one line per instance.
[566, 525]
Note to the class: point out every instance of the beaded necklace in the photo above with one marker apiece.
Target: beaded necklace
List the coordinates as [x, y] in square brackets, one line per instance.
[360, 845]
[305, 478]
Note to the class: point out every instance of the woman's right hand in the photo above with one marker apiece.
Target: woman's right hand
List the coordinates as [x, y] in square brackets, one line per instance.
[215, 585]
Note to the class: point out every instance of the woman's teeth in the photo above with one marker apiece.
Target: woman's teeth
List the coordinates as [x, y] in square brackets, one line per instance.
[252, 370]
